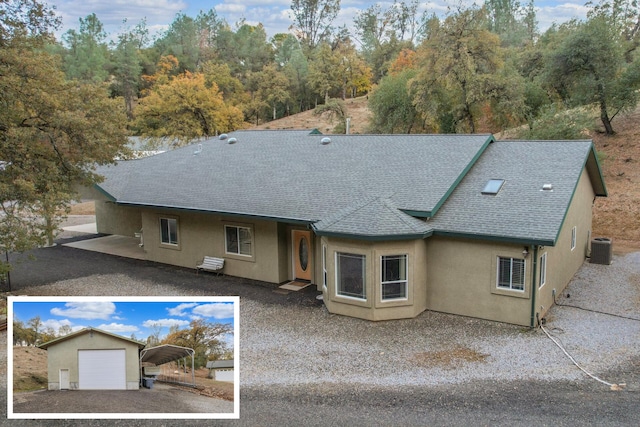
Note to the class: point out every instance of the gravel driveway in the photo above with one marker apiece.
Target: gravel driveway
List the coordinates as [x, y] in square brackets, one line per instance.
[161, 399]
[291, 341]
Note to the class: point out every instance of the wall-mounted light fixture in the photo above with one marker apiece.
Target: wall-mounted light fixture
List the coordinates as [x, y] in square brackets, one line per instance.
[525, 252]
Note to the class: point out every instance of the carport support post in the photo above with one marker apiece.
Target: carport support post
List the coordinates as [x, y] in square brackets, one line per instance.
[193, 372]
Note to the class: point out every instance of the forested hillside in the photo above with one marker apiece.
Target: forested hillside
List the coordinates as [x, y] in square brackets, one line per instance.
[70, 103]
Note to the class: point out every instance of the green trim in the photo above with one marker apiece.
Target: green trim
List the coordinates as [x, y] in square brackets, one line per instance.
[104, 192]
[418, 214]
[492, 238]
[591, 155]
[234, 214]
[464, 173]
[534, 288]
[595, 163]
[372, 238]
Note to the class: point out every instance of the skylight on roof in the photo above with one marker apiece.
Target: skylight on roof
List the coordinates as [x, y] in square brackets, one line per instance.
[493, 186]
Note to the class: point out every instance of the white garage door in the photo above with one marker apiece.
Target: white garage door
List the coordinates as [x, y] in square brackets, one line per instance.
[102, 370]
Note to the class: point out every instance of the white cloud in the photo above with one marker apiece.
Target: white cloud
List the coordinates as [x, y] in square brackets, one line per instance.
[180, 308]
[55, 324]
[119, 328]
[165, 323]
[216, 310]
[86, 310]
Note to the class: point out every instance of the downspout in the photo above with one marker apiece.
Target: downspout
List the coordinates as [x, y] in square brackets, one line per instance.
[534, 288]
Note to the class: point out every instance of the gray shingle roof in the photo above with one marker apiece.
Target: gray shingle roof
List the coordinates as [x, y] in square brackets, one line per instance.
[291, 176]
[520, 211]
[368, 186]
[375, 219]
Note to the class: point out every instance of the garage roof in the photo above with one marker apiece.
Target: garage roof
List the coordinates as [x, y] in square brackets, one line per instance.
[48, 344]
[164, 354]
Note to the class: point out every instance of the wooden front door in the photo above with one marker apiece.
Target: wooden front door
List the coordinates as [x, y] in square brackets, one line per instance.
[302, 254]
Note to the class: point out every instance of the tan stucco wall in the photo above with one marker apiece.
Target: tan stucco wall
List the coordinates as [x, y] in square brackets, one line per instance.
[373, 308]
[202, 235]
[562, 262]
[462, 280]
[64, 355]
[119, 220]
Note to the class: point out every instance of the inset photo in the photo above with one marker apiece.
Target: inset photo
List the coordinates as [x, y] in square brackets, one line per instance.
[123, 357]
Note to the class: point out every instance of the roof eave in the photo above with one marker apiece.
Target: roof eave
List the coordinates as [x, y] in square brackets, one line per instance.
[373, 237]
[297, 221]
[494, 238]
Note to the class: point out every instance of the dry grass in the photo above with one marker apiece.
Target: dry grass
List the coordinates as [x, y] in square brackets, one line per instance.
[618, 216]
[29, 369]
[448, 359]
[84, 208]
[356, 109]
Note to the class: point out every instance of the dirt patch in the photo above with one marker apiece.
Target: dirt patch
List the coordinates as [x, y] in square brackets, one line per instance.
[84, 208]
[29, 369]
[448, 359]
[618, 216]
[357, 110]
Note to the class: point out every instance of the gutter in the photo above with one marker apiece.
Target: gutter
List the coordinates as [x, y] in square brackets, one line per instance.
[534, 289]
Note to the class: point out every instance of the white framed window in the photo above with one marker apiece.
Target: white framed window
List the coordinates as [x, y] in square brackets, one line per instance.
[238, 240]
[169, 231]
[574, 232]
[324, 267]
[543, 269]
[350, 275]
[511, 273]
[394, 277]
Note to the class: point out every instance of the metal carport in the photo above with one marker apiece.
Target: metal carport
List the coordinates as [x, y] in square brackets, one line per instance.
[166, 353]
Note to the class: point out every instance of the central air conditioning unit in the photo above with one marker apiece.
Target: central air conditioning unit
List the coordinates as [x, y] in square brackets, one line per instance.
[601, 251]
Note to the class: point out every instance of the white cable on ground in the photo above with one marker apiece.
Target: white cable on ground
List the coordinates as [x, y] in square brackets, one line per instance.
[615, 387]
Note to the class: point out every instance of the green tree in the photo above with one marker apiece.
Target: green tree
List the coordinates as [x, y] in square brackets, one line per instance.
[185, 109]
[52, 135]
[127, 68]
[589, 66]
[391, 105]
[182, 40]
[313, 20]
[555, 124]
[87, 57]
[324, 71]
[232, 89]
[203, 337]
[462, 74]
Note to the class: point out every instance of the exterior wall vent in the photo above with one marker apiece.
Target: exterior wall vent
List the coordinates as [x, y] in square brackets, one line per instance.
[601, 251]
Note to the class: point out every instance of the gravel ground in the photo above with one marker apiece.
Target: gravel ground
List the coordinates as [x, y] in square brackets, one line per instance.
[161, 399]
[291, 340]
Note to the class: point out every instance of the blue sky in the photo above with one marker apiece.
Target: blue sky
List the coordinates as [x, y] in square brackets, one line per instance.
[124, 316]
[273, 14]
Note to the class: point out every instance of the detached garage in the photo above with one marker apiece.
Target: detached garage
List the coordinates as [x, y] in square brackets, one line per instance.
[92, 359]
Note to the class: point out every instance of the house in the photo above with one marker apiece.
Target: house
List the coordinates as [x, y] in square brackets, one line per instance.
[221, 370]
[92, 359]
[385, 226]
